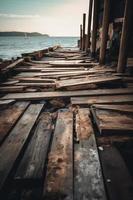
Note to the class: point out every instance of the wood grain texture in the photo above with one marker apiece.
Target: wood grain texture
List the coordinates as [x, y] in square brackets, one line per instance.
[9, 116]
[98, 92]
[13, 145]
[88, 178]
[31, 167]
[59, 179]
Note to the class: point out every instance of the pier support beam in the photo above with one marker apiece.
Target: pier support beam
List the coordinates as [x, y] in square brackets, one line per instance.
[84, 36]
[89, 25]
[81, 37]
[123, 52]
[105, 27]
[94, 28]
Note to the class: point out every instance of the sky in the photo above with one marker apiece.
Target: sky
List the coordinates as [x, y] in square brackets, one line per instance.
[53, 17]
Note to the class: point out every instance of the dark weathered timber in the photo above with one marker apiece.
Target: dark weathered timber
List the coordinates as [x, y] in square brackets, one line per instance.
[9, 116]
[81, 38]
[96, 93]
[88, 176]
[112, 99]
[14, 144]
[118, 181]
[84, 36]
[59, 178]
[105, 27]
[125, 36]
[112, 122]
[89, 25]
[94, 27]
[31, 167]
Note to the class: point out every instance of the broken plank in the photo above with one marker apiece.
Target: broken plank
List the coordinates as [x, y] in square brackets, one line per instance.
[112, 122]
[96, 93]
[68, 83]
[31, 168]
[118, 181]
[88, 175]
[112, 99]
[6, 102]
[59, 178]
[14, 64]
[9, 116]
[15, 142]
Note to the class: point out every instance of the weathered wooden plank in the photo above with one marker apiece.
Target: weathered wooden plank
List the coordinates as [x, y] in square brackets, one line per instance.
[36, 80]
[9, 116]
[12, 82]
[119, 183]
[32, 165]
[88, 176]
[15, 142]
[12, 88]
[59, 62]
[110, 122]
[112, 99]
[100, 80]
[36, 84]
[96, 93]
[48, 69]
[14, 64]
[59, 178]
[73, 64]
[120, 108]
[6, 102]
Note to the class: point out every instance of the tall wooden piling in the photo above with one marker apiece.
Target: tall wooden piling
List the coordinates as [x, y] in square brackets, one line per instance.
[94, 28]
[89, 25]
[122, 59]
[84, 36]
[105, 27]
[81, 37]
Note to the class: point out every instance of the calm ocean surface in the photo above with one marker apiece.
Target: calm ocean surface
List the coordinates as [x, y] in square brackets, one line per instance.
[15, 46]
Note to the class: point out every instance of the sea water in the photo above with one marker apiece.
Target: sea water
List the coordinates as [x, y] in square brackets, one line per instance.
[12, 47]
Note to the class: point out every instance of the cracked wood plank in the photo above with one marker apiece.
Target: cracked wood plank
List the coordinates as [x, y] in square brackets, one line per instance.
[9, 116]
[15, 142]
[59, 178]
[31, 167]
[88, 175]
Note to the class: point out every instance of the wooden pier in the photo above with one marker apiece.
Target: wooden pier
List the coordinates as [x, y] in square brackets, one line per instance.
[66, 119]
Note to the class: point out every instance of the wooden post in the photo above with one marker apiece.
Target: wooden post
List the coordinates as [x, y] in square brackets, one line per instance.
[105, 27]
[89, 25]
[123, 52]
[84, 36]
[81, 37]
[94, 28]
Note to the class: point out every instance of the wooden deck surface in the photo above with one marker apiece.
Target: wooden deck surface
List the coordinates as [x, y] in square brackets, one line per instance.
[64, 121]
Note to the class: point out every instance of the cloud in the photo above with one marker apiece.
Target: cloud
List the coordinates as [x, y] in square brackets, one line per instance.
[5, 15]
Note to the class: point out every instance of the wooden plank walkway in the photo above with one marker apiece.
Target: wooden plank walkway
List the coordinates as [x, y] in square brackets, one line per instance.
[62, 119]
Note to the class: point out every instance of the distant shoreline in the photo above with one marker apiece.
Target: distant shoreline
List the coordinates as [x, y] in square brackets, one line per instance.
[22, 34]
